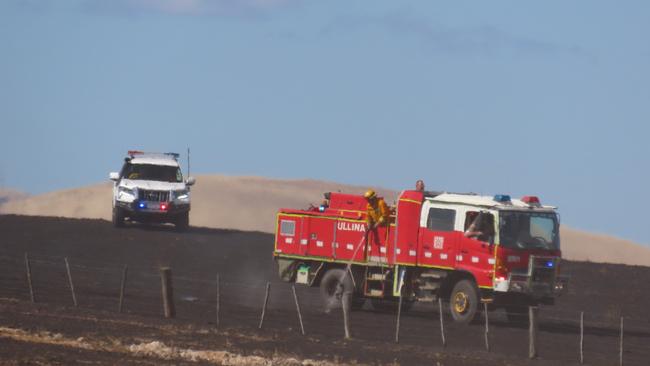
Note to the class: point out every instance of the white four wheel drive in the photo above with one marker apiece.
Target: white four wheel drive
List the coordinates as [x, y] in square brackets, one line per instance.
[150, 188]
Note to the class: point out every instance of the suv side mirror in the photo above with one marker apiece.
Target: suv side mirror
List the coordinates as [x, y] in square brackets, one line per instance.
[114, 176]
[190, 181]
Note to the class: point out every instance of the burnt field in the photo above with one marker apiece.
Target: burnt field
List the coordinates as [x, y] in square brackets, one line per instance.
[54, 331]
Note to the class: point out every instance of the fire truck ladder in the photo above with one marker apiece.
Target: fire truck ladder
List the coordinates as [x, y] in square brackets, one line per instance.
[375, 281]
[428, 283]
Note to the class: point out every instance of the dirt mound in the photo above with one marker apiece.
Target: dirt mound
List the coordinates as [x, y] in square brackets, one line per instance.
[251, 203]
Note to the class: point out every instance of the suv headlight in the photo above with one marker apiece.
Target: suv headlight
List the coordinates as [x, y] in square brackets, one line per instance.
[126, 194]
[182, 195]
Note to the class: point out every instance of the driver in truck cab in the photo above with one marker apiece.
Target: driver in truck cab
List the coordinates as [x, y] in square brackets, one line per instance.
[481, 227]
[378, 213]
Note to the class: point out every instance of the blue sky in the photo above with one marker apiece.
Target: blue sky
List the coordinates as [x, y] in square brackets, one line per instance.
[549, 98]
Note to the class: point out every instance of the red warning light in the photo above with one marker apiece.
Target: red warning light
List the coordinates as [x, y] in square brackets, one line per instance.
[531, 200]
[163, 207]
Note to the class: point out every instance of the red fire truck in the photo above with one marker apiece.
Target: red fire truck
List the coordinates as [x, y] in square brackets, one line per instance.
[462, 248]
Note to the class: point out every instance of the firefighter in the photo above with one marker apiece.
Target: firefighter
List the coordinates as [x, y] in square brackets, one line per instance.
[419, 185]
[378, 212]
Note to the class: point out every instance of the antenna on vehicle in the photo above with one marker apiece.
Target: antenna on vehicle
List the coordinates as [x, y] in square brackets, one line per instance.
[188, 162]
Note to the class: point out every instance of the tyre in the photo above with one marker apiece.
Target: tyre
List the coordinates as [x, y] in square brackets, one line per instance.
[517, 309]
[357, 302]
[334, 284]
[463, 301]
[118, 217]
[517, 314]
[183, 221]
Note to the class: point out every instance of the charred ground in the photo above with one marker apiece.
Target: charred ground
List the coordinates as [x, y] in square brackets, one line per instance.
[97, 253]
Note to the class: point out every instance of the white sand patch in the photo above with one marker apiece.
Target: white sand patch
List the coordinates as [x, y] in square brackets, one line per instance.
[156, 349]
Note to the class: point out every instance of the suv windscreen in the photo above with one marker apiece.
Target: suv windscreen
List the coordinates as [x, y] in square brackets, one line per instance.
[162, 173]
[529, 230]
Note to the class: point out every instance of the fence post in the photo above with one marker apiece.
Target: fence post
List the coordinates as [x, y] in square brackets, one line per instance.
[345, 302]
[67, 267]
[218, 298]
[399, 313]
[266, 301]
[442, 324]
[532, 332]
[295, 298]
[582, 336]
[122, 287]
[167, 292]
[620, 353]
[487, 328]
[29, 279]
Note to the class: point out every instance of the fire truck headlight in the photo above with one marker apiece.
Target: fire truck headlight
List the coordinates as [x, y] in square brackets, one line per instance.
[501, 284]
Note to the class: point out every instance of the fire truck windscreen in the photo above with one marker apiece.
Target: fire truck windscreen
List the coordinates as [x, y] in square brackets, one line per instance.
[161, 173]
[528, 230]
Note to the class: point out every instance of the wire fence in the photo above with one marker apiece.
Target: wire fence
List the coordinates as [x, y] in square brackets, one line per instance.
[230, 301]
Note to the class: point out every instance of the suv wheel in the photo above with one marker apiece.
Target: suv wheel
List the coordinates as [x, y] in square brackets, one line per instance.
[118, 217]
[183, 221]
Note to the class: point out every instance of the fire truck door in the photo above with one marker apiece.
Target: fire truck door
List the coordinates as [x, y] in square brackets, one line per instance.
[476, 248]
[320, 242]
[437, 244]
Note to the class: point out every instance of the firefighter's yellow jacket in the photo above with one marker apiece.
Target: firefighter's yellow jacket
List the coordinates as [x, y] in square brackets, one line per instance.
[378, 213]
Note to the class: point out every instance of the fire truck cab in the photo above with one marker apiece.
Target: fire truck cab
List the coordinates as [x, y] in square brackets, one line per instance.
[463, 248]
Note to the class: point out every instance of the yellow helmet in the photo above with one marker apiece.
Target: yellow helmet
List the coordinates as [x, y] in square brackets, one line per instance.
[369, 194]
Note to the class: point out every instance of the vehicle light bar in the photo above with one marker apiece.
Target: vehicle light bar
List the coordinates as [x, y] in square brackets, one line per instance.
[501, 198]
[531, 200]
[132, 153]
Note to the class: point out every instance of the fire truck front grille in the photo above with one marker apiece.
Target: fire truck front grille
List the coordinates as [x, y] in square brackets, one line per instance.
[545, 275]
[154, 196]
[543, 270]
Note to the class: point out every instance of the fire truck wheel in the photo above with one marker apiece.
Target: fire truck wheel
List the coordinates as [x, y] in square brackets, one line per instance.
[517, 314]
[118, 217]
[517, 309]
[357, 302]
[334, 283]
[463, 301]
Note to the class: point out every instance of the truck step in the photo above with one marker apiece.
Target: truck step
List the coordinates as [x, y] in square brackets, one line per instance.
[375, 293]
[376, 277]
[427, 298]
[429, 286]
[436, 275]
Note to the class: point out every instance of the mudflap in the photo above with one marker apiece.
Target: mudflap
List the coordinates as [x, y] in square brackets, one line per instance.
[287, 269]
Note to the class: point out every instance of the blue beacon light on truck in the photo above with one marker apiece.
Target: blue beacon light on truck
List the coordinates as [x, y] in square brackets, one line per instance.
[142, 205]
[501, 198]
